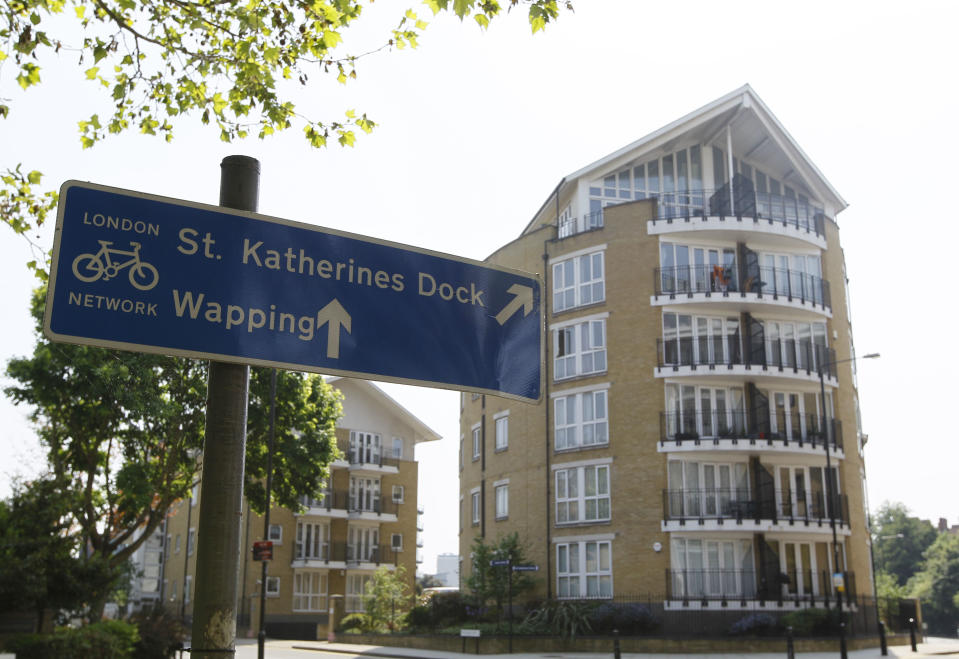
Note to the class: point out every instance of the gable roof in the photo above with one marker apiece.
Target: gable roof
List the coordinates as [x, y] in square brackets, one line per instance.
[756, 134]
[423, 433]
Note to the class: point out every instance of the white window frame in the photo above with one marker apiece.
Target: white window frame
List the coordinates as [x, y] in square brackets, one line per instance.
[579, 348]
[272, 586]
[476, 432]
[276, 534]
[394, 545]
[187, 588]
[572, 501]
[575, 283]
[501, 498]
[401, 491]
[571, 429]
[191, 542]
[355, 590]
[397, 448]
[312, 541]
[580, 577]
[366, 447]
[313, 596]
[176, 544]
[501, 426]
[475, 506]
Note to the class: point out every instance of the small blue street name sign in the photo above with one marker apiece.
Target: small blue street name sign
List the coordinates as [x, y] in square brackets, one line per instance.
[499, 562]
[525, 568]
[139, 272]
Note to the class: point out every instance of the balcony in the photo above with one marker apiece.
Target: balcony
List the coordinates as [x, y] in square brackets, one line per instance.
[723, 355]
[373, 554]
[360, 459]
[573, 225]
[766, 284]
[372, 505]
[791, 585]
[331, 501]
[741, 505]
[731, 429]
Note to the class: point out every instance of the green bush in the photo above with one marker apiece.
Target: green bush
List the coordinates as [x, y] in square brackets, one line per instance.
[628, 618]
[812, 622]
[161, 633]
[356, 623]
[755, 624]
[109, 639]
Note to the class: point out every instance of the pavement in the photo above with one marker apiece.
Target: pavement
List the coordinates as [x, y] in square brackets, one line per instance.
[932, 647]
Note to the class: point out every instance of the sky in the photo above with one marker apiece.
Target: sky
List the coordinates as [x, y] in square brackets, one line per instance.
[476, 129]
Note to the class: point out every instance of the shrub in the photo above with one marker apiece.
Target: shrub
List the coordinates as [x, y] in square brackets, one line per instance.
[161, 633]
[629, 618]
[356, 623]
[562, 618]
[812, 622]
[756, 624]
[109, 639]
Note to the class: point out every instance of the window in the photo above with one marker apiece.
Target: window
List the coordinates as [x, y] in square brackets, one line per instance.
[173, 591]
[362, 544]
[582, 494]
[712, 567]
[309, 590]
[502, 431]
[698, 340]
[696, 269]
[397, 448]
[364, 494]
[580, 420]
[578, 281]
[396, 541]
[584, 569]
[194, 494]
[693, 411]
[176, 544]
[801, 345]
[398, 493]
[477, 441]
[187, 588]
[276, 534]
[166, 546]
[364, 447]
[706, 489]
[502, 501]
[355, 589]
[579, 349]
[190, 542]
[312, 541]
[475, 506]
[272, 586]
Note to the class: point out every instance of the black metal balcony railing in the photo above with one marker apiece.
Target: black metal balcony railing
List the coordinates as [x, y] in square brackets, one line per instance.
[332, 499]
[775, 585]
[703, 204]
[724, 351]
[372, 504]
[717, 425]
[343, 552]
[741, 504]
[776, 282]
[369, 554]
[366, 457]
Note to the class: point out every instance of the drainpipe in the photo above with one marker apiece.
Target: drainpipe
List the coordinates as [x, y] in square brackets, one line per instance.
[546, 402]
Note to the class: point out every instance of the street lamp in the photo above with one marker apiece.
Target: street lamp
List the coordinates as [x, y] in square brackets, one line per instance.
[830, 488]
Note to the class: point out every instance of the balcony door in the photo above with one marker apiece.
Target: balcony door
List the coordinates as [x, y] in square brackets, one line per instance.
[798, 562]
[365, 447]
[364, 494]
[363, 543]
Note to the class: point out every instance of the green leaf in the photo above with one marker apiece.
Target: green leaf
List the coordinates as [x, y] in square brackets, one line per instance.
[92, 72]
[34, 177]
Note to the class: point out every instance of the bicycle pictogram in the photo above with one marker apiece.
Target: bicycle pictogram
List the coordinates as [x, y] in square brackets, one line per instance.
[91, 267]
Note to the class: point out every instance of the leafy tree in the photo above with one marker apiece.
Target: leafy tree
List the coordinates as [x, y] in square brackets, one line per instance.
[386, 597]
[123, 432]
[889, 592]
[227, 63]
[427, 581]
[937, 585]
[491, 583]
[900, 555]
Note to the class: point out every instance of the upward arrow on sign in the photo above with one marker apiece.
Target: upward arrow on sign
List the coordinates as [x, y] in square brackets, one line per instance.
[336, 316]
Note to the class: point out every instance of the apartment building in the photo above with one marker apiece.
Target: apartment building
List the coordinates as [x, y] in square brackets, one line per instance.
[699, 439]
[324, 553]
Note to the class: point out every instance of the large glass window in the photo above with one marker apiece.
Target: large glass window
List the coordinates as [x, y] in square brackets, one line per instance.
[364, 494]
[578, 281]
[364, 447]
[502, 501]
[579, 349]
[707, 489]
[502, 432]
[312, 541]
[582, 494]
[712, 568]
[581, 420]
[362, 543]
[355, 589]
[693, 411]
[696, 268]
[584, 569]
[309, 590]
[791, 345]
[689, 340]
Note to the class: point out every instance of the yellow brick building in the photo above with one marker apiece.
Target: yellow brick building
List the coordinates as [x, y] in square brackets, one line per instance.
[683, 451]
[324, 554]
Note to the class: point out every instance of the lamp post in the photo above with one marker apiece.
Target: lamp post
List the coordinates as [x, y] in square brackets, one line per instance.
[830, 488]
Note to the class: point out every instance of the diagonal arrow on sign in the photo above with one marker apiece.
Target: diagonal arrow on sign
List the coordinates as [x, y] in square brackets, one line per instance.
[336, 316]
[523, 298]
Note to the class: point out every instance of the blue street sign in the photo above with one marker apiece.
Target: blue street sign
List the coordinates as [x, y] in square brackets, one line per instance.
[140, 272]
[499, 562]
[525, 568]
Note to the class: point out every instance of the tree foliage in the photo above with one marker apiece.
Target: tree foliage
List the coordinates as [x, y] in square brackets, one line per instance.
[386, 597]
[937, 585]
[490, 584]
[228, 63]
[900, 556]
[123, 433]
